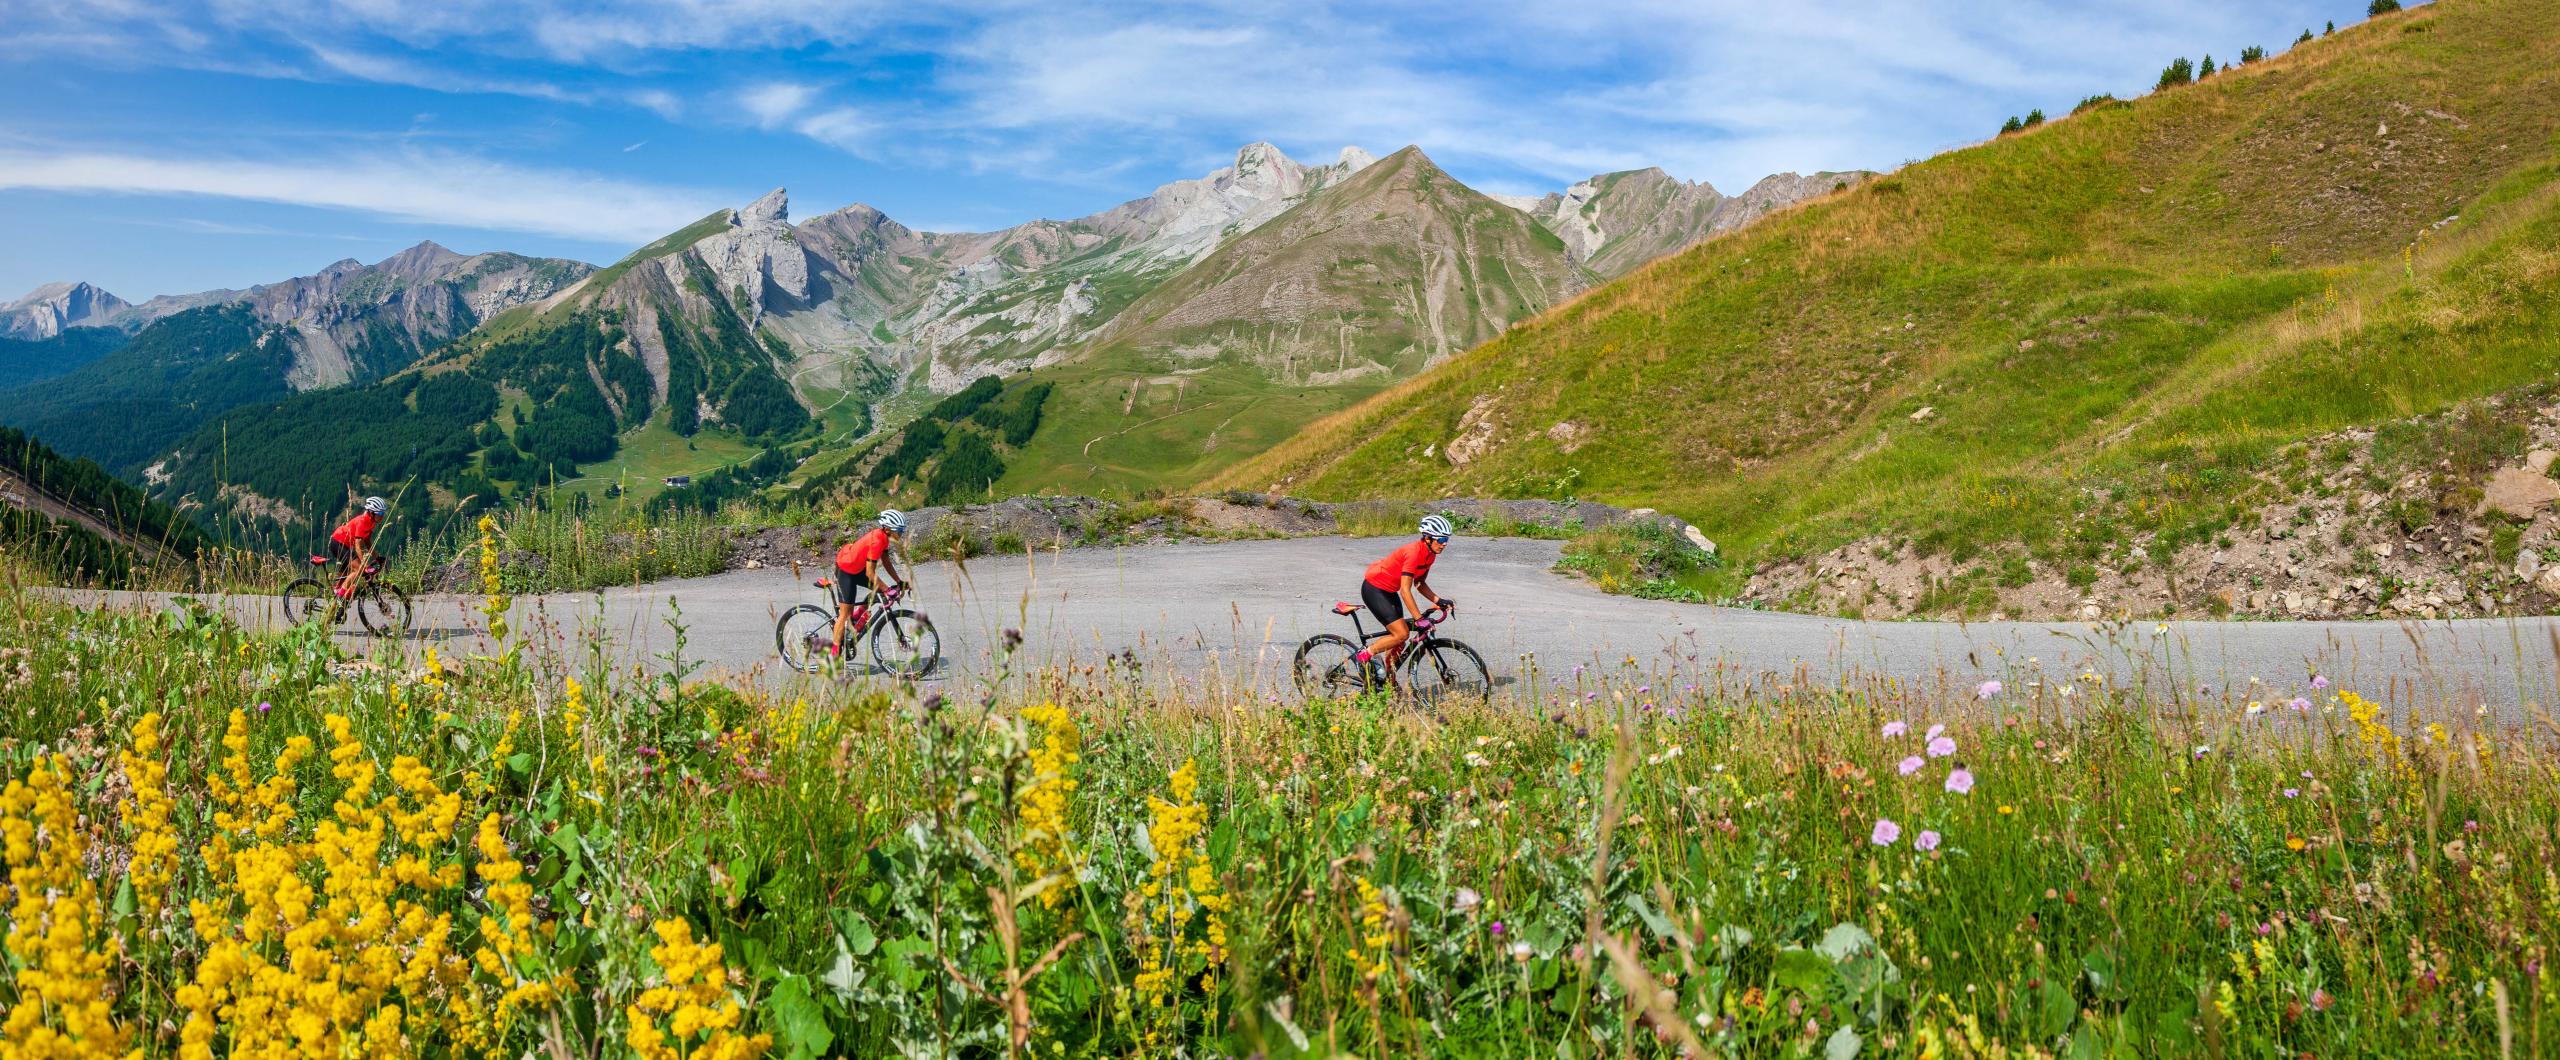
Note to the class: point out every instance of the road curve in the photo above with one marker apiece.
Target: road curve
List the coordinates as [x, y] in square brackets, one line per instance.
[1236, 610]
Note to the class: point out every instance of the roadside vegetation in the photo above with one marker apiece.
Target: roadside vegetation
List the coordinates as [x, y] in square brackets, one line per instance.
[2066, 345]
[224, 842]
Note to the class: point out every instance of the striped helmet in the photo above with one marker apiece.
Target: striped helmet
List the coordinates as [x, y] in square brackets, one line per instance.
[1435, 526]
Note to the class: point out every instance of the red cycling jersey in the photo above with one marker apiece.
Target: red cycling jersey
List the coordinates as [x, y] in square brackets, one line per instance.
[869, 548]
[1414, 558]
[357, 529]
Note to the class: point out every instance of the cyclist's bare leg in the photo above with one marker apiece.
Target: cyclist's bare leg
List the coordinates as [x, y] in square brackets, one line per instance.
[844, 617]
[347, 579]
[1386, 648]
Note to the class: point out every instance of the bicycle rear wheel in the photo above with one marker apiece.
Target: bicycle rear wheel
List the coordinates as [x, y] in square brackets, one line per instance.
[803, 635]
[1327, 665]
[306, 599]
[384, 609]
[1445, 669]
[904, 644]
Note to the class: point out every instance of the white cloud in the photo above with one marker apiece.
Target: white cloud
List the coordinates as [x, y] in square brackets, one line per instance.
[774, 102]
[842, 128]
[413, 186]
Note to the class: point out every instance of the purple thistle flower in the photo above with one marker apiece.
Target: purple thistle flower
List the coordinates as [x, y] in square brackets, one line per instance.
[1895, 728]
[1960, 781]
[2293, 793]
[1942, 747]
[1987, 690]
[2300, 705]
[264, 706]
[1497, 927]
[1926, 841]
[1886, 832]
[1911, 765]
[2318, 682]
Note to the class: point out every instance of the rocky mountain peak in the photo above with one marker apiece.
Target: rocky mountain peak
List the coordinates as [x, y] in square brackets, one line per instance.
[1353, 159]
[45, 311]
[773, 209]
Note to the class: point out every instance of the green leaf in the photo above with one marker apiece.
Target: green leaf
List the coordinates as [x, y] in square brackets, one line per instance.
[856, 931]
[124, 904]
[521, 762]
[843, 977]
[899, 954]
[799, 1024]
[1660, 925]
[1801, 969]
[2054, 1009]
[1842, 1045]
[1844, 940]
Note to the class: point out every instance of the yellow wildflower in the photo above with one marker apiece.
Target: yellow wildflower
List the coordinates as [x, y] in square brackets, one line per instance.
[1045, 849]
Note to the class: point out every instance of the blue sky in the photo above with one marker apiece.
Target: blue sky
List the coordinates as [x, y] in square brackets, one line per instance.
[155, 147]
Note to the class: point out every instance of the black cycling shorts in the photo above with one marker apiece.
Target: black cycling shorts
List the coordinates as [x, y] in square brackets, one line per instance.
[850, 586]
[1389, 607]
[340, 552]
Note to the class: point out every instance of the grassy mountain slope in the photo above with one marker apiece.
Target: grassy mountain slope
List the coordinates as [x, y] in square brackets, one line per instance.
[1369, 281]
[71, 519]
[2110, 321]
[24, 361]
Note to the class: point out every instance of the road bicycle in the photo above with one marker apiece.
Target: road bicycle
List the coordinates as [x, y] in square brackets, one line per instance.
[380, 606]
[903, 643]
[1434, 666]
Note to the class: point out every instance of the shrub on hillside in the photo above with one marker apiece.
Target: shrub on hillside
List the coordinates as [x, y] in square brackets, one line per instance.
[2011, 125]
[2204, 69]
[2035, 117]
[2252, 54]
[2381, 7]
[2177, 73]
[2092, 102]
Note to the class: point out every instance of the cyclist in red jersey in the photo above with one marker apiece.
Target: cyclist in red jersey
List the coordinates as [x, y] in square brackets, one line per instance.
[864, 565]
[1389, 588]
[351, 544]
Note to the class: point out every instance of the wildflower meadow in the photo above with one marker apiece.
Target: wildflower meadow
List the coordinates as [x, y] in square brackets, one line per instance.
[224, 843]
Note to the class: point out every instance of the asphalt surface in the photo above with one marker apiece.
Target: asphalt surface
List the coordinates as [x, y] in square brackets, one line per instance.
[1234, 612]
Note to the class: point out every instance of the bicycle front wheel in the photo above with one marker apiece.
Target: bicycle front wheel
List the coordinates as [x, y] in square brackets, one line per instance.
[1444, 669]
[904, 644]
[1327, 666]
[306, 599]
[384, 609]
[803, 636]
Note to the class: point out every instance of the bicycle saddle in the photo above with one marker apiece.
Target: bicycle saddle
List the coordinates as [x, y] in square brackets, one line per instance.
[1344, 607]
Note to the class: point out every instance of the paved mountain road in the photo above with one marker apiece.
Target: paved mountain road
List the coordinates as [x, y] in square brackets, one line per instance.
[1237, 610]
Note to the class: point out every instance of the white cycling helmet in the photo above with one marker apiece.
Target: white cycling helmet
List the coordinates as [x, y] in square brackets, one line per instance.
[1435, 526]
[376, 505]
[893, 520]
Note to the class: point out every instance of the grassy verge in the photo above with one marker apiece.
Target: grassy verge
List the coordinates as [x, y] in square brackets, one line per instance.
[553, 550]
[514, 849]
[1644, 559]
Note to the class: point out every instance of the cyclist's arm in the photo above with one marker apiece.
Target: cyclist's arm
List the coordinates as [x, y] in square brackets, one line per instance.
[1412, 607]
[1424, 583]
[880, 567]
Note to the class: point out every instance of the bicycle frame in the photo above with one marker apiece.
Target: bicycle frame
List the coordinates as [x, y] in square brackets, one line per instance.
[881, 602]
[1421, 624]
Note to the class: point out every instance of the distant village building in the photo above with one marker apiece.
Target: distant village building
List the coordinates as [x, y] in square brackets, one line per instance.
[677, 482]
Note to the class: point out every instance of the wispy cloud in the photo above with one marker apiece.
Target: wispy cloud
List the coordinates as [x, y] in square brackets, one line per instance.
[413, 186]
[774, 102]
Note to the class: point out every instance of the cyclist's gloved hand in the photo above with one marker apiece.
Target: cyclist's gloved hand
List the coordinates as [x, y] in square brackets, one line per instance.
[1449, 605]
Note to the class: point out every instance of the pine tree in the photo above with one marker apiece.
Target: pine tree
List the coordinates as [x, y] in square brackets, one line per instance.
[2332, 27]
[2012, 125]
[2381, 7]
[2178, 73]
[2035, 117]
[2252, 54]
[2204, 69]
[2305, 38]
